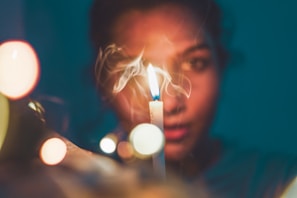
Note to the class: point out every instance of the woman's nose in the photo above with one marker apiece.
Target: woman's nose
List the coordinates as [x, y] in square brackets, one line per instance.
[173, 104]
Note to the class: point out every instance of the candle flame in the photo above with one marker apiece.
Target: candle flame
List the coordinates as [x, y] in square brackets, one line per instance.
[153, 82]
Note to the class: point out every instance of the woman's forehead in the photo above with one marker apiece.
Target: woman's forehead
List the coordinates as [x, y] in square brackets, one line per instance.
[166, 29]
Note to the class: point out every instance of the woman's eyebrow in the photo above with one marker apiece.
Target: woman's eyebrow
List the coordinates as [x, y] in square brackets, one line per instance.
[195, 47]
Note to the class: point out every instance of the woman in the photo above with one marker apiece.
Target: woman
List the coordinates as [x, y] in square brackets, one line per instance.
[183, 38]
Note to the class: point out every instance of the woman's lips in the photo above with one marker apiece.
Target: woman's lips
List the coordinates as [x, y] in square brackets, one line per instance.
[175, 133]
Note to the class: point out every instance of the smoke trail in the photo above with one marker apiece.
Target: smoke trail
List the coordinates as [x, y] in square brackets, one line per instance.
[115, 70]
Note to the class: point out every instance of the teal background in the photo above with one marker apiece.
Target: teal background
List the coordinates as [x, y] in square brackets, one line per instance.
[258, 96]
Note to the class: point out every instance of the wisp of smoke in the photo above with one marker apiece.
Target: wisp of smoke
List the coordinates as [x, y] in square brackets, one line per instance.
[115, 69]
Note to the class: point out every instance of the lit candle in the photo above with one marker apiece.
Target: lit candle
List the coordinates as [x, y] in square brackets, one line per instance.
[156, 116]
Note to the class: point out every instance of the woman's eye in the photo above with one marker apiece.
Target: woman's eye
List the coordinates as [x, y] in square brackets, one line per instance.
[195, 64]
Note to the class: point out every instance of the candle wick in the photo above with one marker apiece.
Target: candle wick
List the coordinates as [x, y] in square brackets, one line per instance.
[156, 97]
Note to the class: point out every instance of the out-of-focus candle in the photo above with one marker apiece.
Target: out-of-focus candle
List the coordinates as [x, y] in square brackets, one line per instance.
[156, 116]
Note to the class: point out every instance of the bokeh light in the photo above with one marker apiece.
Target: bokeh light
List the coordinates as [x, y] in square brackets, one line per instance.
[108, 144]
[53, 151]
[38, 108]
[19, 69]
[4, 118]
[125, 150]
[147, 139]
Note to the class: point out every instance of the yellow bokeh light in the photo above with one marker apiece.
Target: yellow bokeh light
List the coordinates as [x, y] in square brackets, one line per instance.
[147, 139]
[19, 69]
[291, 190]
[53, 151]
[4, 118]
[108, 143]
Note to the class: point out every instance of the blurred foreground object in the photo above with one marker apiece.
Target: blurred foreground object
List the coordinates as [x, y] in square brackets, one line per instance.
[36, 161]
[4, 118]
[77, 173]
[21, 119]
[26, 127]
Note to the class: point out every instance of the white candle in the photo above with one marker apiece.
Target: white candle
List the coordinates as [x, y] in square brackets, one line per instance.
[156, 113]
[156, 116]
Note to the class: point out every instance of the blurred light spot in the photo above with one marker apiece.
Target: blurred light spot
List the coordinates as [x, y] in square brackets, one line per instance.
[32, 106]
[108, 143]
[125, 150]
[147, 139]
[291, 190]
[53, 151]
[38, 108]
[4, 118]
[19, 69]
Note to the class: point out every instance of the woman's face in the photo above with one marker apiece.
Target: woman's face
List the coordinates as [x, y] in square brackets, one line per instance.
[171, 37]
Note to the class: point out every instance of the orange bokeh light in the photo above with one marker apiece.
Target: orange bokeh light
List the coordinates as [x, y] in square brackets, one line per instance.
[53, 151]
[19, 69]
[125, 150]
